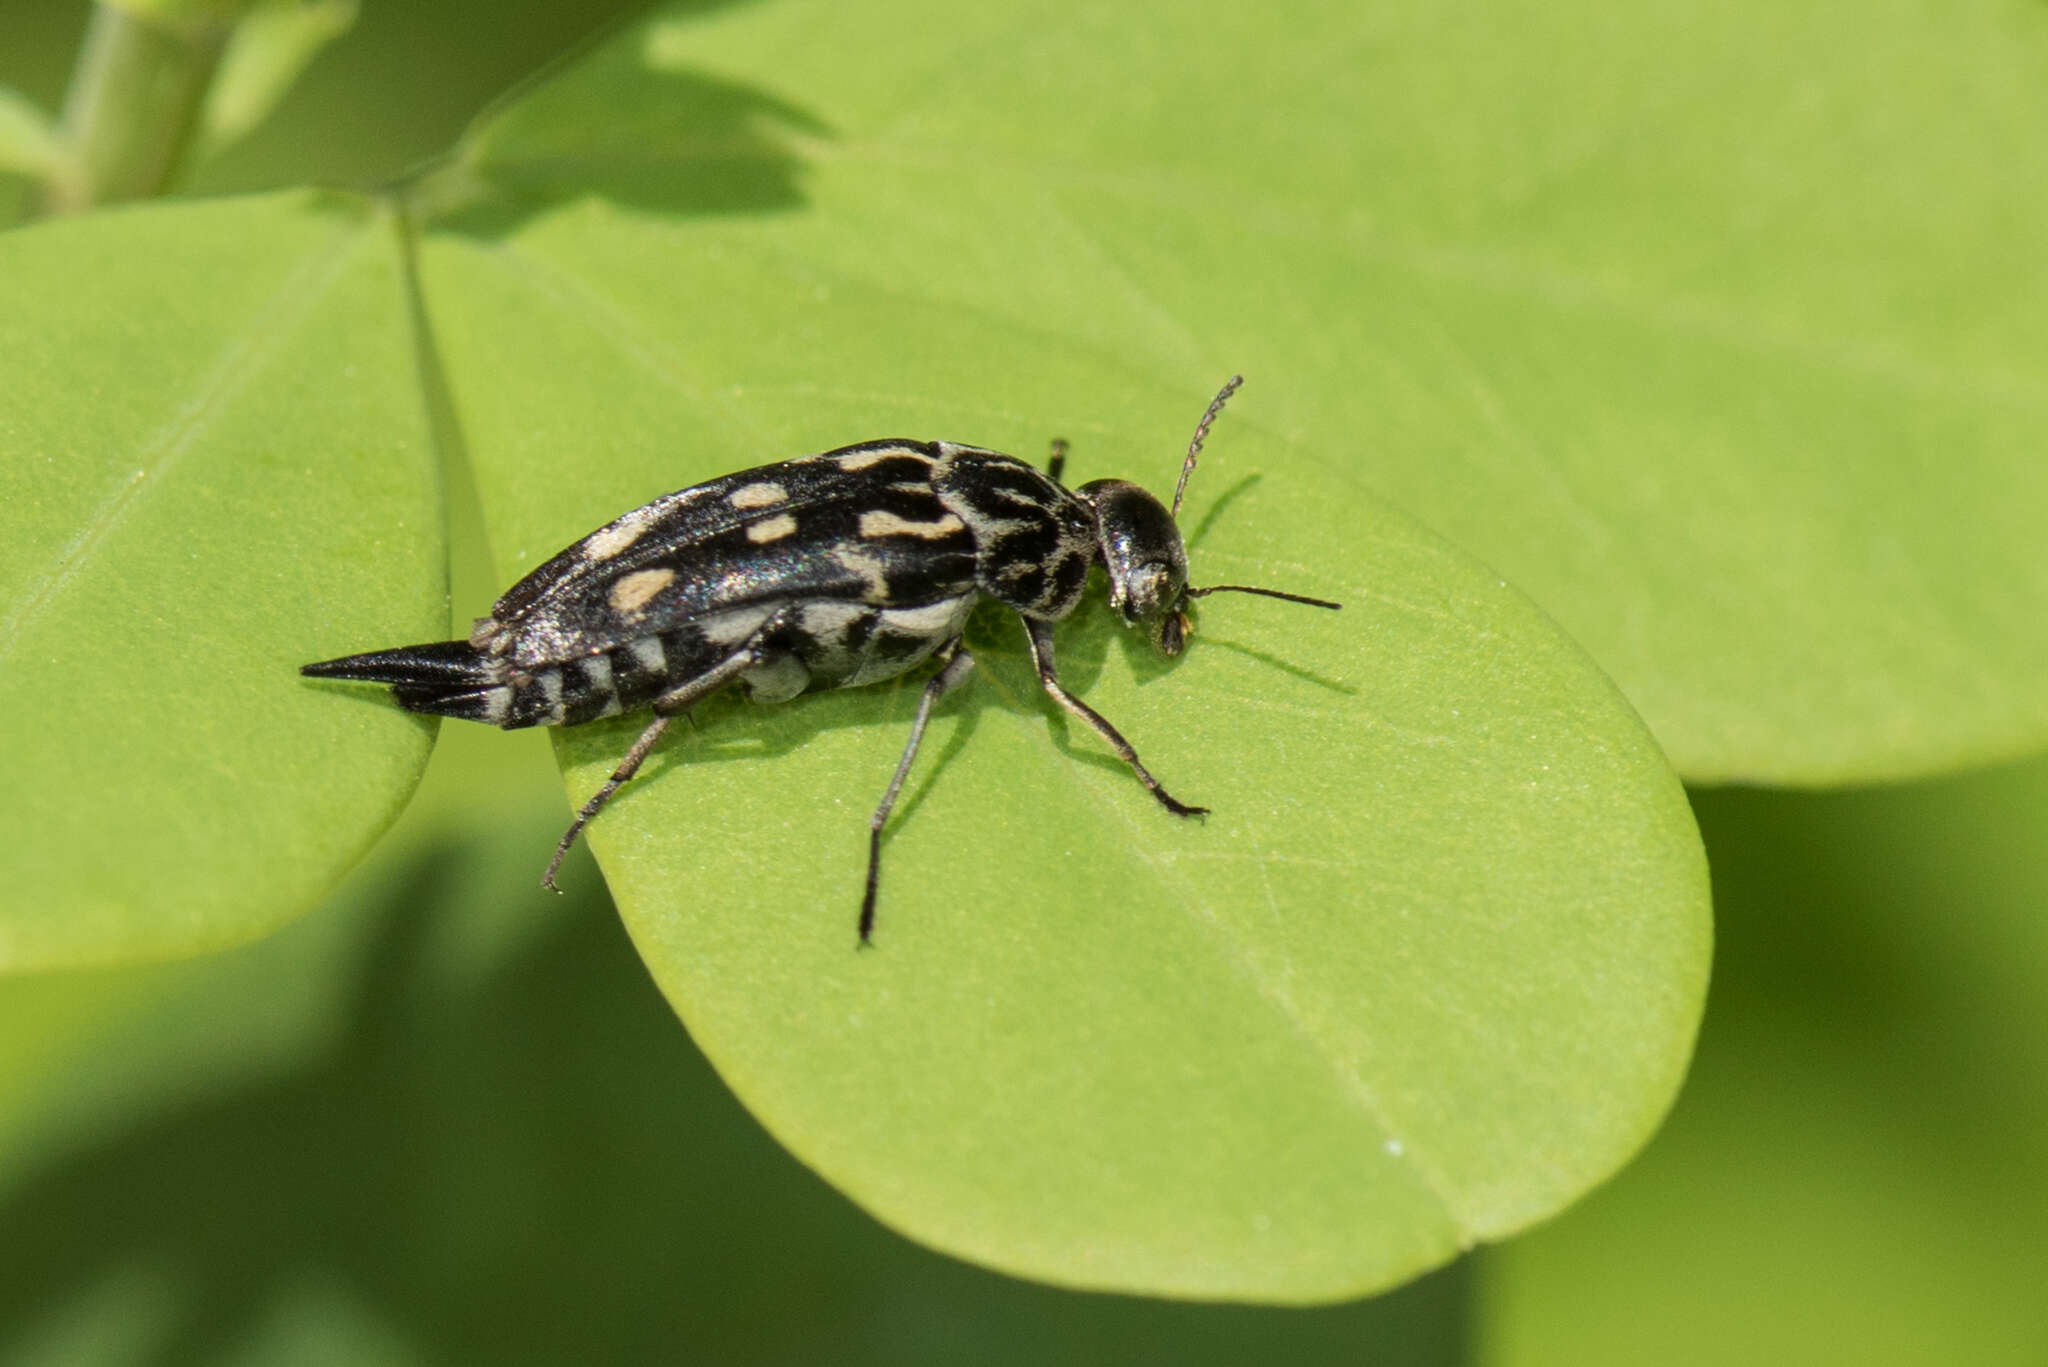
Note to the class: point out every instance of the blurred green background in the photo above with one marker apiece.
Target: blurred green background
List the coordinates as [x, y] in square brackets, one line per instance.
[395, 89]
[440, 1120]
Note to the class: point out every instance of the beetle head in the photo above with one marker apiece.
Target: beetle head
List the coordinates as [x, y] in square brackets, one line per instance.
[1141, 548]
[1138, 541]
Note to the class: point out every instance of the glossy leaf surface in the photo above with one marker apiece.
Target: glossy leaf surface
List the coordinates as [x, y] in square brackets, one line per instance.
[1720, 334]
[215, 469]
[1428, 972]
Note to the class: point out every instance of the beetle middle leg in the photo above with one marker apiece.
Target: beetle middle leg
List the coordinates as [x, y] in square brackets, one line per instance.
[666, 708]
[1041, 656]
[958, 665]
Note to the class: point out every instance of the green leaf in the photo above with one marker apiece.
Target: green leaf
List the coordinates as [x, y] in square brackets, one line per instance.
[445, 1061]
[215, 469]
[1854, 1172]
[1429, 971]
[203, 15]
[1719, 333]
[28, 145]
[268, 49]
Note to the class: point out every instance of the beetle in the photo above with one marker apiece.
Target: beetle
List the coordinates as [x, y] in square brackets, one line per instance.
[830, 571]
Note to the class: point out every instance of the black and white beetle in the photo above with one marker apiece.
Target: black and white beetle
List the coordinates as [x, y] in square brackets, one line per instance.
[830, 571]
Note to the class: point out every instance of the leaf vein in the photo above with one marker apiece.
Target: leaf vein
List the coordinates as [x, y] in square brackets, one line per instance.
[239, 360]
[1354, 1089]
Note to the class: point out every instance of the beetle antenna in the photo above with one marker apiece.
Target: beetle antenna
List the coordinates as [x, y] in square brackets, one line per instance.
[1201, 435]
[1265, 593]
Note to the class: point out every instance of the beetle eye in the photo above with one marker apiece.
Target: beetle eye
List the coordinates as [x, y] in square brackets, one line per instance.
[1147, 591]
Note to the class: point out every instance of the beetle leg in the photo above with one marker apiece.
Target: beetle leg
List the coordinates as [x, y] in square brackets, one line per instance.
[1041, 656]
[958, 665]
[666, 707]
[627, 768]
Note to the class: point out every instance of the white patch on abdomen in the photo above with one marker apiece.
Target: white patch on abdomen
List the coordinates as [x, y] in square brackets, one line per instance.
[904, 637]
[732, 627]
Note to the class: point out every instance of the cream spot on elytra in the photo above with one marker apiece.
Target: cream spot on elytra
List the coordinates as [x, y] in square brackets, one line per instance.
[609, 542]
[861, 460]
[888, 524]
[868, 569]
[771, 529]
[631, 593]
[763, 495]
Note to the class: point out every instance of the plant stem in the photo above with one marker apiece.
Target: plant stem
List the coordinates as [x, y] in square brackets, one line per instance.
[134, 101]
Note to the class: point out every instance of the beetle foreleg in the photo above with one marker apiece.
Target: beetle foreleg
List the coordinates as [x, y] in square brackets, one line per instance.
[1041, 656]
[959, 664]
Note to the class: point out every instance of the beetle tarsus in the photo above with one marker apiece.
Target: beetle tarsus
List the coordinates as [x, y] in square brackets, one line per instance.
[957, 664]
[628, 766]
[1048, 679]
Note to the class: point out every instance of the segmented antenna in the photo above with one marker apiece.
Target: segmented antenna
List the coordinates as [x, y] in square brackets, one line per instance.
[1264, 593]
[1201, 435]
